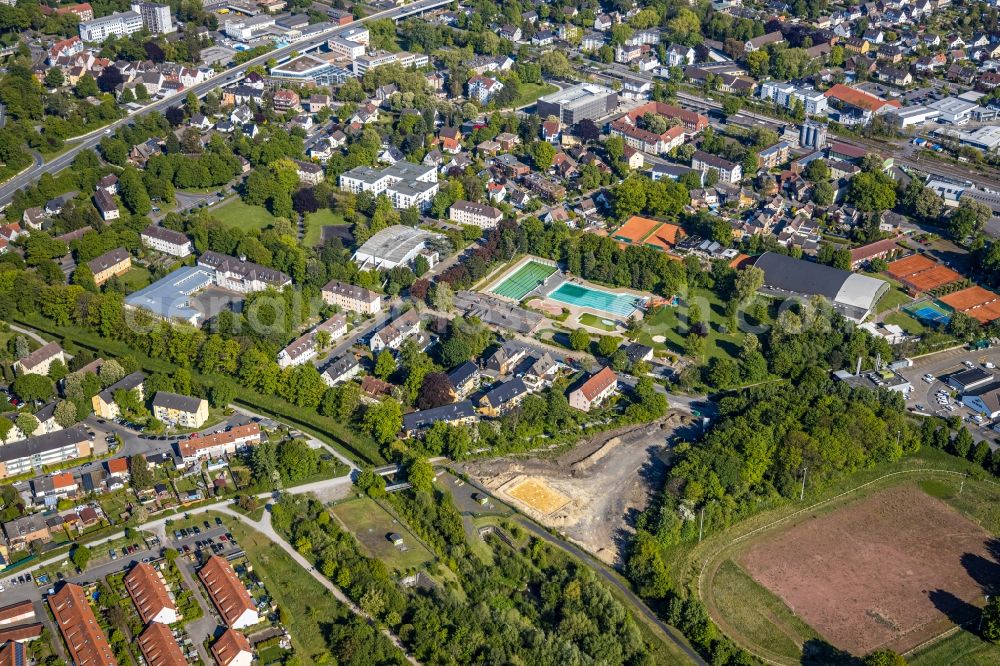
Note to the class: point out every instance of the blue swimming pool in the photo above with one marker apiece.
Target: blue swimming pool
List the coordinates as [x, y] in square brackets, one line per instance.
[621, 305]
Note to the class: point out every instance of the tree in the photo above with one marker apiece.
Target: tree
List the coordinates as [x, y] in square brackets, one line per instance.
[26, 423]
[872, 192]
[385, 364]
[542, 153]
[371, 482]
[579, 340]
[66, 413]
[608, 344]
[222, 393]
[823, 193]
[757, 62]
[6, 425]
[435, 391]
[383, 420]
[731, 106]
[747, 282]
[969, 218]
[86, 86]
[421, 474]
[80, 557]
[443, 298]
[110, 79]
[817, 170]
[33, 387]
[133, 192]
[991, 619]
[111, 371]
[141, 475]
[883, 658]
[54, 78]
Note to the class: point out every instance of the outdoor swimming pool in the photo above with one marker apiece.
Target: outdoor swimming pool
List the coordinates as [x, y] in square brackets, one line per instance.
[620, 305]
[526, 278]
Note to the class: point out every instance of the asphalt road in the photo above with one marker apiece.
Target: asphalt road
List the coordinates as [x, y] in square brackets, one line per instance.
[92, 139]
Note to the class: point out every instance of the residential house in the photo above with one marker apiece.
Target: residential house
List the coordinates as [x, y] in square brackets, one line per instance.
[396, 332]
[166, 241]
[232, 649]
[180, 410]
[110, 264]
[228, 594]
[597, 388]
[215, 446]
[106, 206]
[148, 591]
[464, 379]
[82, 633]
[104, 404]
[729, 172]
[456, 413]
[341, 370]
[40, 361]
[504, 397]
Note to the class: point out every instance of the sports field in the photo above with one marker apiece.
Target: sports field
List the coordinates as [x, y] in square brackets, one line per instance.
[891, 570]
[527, 277]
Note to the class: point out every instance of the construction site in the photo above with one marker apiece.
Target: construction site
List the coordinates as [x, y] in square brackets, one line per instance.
[592, 492]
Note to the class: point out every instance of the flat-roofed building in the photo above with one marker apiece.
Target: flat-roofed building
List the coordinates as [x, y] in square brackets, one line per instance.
[405, 183]
[48, 449]
[228, 593]
[579, 102]
[480, 215]
[394, 246]
[149, 594]
[88, 646]
[39, 361]
[173, 296]
[104, 404]
[180, 410]
[110, 264]
[216, 445]
[232, 649]
[166, 241]
[159, 647]
[119, 25]
[352, 297]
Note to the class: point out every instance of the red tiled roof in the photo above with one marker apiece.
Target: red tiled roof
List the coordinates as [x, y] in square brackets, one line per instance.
[598, 383]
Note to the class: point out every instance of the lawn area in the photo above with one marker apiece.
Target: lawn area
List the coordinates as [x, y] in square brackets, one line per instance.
[529, 92]
[315, 223]
[754, 611]
[137, 278]
[906, 322]
[592, 320]
[371, 525]
[894, 298]
[243, 216]
[662, 330]
[309, 607]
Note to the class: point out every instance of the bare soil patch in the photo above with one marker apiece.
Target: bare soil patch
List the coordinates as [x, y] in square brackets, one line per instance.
[593, 492]
[891, 570]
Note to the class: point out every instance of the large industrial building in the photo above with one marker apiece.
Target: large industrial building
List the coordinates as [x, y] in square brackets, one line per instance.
[579, 102]
[852, 295]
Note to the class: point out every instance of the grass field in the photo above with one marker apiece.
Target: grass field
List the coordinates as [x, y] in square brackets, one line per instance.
[529, 92]
[308, 605]
[753, 611]
[371, 525]
[315, 223]
[137, 278]
[893, 298]
[906, 322]
[588, 319]
[242, 216]
[664, 322]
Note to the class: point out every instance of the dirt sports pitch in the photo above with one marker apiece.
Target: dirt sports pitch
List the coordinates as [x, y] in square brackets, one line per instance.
[891, 570]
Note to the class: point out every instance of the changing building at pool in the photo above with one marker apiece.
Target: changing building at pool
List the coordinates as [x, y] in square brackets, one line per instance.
[852, 295]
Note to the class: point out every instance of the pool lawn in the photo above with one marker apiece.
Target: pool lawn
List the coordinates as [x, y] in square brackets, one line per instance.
[664, 322]
[588, 319]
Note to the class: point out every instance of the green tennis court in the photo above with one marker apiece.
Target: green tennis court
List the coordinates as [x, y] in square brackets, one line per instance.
[523, 280]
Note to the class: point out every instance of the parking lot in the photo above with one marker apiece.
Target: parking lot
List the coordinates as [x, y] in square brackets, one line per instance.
[931, 394]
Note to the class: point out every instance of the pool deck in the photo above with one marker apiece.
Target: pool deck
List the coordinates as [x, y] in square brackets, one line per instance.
[556, 280]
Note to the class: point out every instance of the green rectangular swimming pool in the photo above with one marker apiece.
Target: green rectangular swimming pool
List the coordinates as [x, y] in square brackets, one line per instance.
[620, 305]
[526, 278]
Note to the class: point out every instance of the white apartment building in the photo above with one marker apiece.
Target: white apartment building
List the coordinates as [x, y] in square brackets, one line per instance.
[729, 172]
[469, 212]
[242, 276]
[785, 94]
[166, 241]
[155, 17]
[305, 348]
[119, 25]
[352, 297]
[406, 184]
[373, 60]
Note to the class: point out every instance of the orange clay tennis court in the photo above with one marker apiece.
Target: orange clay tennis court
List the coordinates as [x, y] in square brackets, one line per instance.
[910, 265]
[931, 279]
[981, 304]
[635, 229]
